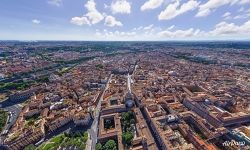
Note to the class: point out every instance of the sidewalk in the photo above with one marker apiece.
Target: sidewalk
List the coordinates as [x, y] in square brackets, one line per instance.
[89, 142]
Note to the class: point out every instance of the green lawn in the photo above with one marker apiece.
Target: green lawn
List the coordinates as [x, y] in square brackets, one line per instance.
[58, 139]
[53, 144]
[65, 140]
[17, 86]
[48, 146]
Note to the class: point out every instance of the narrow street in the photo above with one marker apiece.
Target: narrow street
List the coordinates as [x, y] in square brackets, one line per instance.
[93, 131]
[13, 112]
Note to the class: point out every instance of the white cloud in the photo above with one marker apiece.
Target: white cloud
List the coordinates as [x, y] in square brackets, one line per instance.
[116, 35]
[206, 9]
[175, 9]
[221, 30]
[139, 28]
[148, 27]
[241, 9]
[244, 1]
[179, 33]
[90, 5]
[242, 16]
[211, 5]
[35, 21]
[147, 32]
[80, 21]
[111, 21]
[121, 6]
[227, 15]
[55, 2]
[93, 16]
[151, 4]
[106, 6]
[171, 27]
[224, 28]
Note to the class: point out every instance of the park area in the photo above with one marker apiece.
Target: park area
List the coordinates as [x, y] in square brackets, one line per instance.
[76, 141]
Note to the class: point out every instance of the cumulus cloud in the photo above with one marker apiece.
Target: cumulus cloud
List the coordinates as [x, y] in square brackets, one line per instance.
[175, 9]
[120, 6]
[221, 29]
[93, 16]
[111, 21]
[80, 21]
[151, 4]
[35, 21]
[55, 2]
[224, 28]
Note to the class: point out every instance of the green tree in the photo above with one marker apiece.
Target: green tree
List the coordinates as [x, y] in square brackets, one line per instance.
[125, 116]
[82, 147]
[127, 137]
[110, 145]
[100, 66]
[130, 114]
[85, 137]
[30, 147]
[132, 121]
[98, 146]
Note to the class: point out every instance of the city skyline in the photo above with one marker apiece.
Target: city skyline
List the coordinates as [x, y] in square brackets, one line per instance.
[125, 20]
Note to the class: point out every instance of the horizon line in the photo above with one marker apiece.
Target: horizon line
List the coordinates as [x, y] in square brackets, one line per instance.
[240, 40]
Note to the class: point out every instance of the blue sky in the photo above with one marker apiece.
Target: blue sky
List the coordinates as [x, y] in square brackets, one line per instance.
[125, 20]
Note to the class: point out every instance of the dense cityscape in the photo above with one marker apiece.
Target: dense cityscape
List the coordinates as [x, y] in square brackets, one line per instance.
[124, 95]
